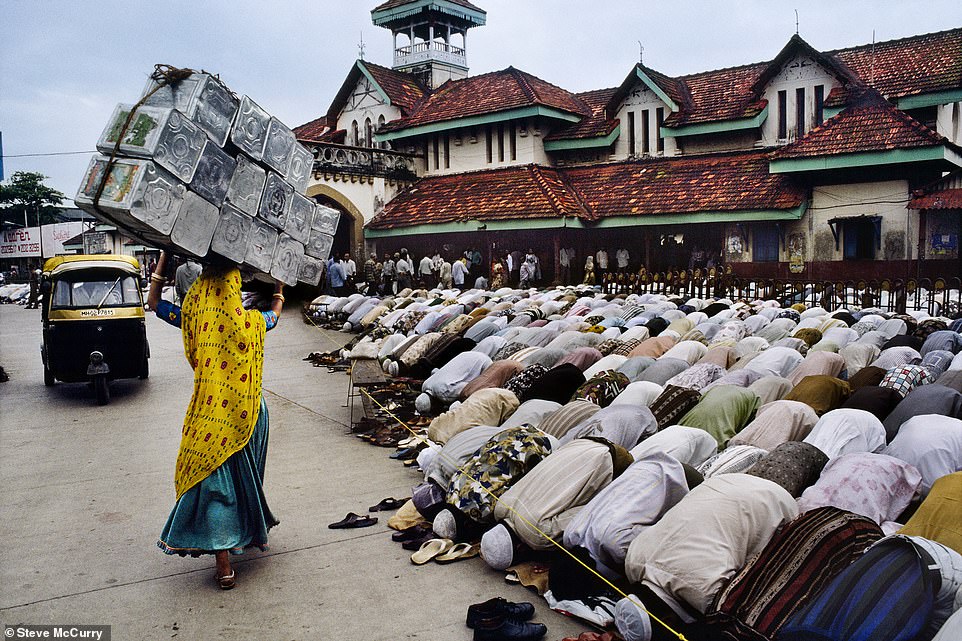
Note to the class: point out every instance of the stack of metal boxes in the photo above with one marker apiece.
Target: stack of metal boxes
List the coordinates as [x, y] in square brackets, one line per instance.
[200, 171]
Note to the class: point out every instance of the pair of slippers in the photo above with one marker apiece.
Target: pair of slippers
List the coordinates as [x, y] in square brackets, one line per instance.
[353, 520]
[444, 551]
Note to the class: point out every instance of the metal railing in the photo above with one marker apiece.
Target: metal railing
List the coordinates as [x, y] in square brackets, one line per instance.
[363, 161]
[421, 47]
[939, 296]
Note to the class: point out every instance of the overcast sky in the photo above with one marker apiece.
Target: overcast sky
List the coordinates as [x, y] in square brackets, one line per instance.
[64, 64]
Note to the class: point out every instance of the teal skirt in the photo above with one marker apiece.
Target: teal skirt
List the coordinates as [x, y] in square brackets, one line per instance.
[227, 510]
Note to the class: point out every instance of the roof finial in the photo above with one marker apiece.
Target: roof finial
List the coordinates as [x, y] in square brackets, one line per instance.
[796, 22]
[360, 47]
[641, 53]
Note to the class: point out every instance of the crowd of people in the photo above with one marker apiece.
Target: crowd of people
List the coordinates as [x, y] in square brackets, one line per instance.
[394, 272]
[734, 468]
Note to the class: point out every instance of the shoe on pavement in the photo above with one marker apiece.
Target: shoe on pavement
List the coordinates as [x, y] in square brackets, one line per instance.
[498, 607]
[504, 629]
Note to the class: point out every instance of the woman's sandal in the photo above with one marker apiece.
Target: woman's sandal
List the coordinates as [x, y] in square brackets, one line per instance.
[226, 582]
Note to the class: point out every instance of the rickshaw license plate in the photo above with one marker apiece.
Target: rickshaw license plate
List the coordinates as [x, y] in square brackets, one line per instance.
[96, 312]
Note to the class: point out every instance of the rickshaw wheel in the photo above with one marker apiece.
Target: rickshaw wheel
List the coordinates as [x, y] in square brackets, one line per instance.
[101, 389]
[48, 378]
[144, 369]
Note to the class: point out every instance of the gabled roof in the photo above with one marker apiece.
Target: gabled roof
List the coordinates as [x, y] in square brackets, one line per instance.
[486, 94]
[596, 125]
[723, 94]
[716, 184]
[669, 87]
[401, 89]
[797, 46]
[685, 185]
[870, 124]
[524, 192]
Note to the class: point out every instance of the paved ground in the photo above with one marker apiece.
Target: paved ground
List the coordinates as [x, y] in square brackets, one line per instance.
[86, 489]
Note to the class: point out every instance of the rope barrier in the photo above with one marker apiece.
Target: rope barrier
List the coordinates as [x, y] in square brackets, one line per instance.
[461, 470]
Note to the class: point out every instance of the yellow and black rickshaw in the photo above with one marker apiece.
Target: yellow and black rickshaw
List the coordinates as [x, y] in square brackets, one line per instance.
[93, 321]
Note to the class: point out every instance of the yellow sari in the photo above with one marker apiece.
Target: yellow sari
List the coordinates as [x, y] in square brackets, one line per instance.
[224, 343]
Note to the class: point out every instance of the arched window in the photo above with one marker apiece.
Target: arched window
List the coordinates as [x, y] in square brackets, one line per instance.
[380, 123]
[354, 134]
[368, 133]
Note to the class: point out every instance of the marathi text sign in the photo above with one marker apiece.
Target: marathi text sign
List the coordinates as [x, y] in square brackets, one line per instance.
[20, 243]
[26, 241]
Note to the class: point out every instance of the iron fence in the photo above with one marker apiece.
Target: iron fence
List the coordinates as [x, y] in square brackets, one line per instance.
[938, 296]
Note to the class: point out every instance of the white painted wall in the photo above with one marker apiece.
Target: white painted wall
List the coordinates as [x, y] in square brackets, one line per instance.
[365, 102]
[640, 98]
[468, 147]
[948, 121]
[799, 72]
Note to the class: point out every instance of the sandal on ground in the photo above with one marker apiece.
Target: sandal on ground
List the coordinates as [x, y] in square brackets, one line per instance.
[226, 582]
[459, 552]
[390, 503]
[430, 549]
[353, 520]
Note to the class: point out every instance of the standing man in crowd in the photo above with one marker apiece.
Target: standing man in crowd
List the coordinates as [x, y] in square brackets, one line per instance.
[34, 301]
[459, 272]
[350, 273]
[601, 265]
[387, 275]
[372, 273]
[425, 272]
[621, 258]
[185, 275]
[404, 268]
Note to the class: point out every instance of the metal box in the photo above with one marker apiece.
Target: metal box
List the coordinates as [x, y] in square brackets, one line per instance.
[311, 270]
[138, 196]
[280, 143]
[300, 216]
[249, 131]
[260, 246]
[325, 219]
[287, 260]
[194, 227]
[165, 135]
[319, 245]
[302, 165]
[203, 99]
[246, 185]
[275, 201]
[232, 234]
[214, 171]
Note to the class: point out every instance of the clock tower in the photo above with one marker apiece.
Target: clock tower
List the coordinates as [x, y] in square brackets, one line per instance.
[430, 36]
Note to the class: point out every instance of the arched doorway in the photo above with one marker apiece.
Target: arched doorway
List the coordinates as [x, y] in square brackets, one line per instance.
[349, 237]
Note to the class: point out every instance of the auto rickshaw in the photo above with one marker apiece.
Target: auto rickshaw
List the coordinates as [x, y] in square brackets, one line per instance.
[93, 321]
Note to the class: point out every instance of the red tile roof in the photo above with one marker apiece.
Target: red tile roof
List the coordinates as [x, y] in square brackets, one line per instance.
[528, 191]
[723, 94]
[489, 93]
[684, 184]
[312, 131]
[390, 4]
[594, 126]
[908, 66]
[680, 185]
[945, 199]
[402, 88]
[871, 124]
